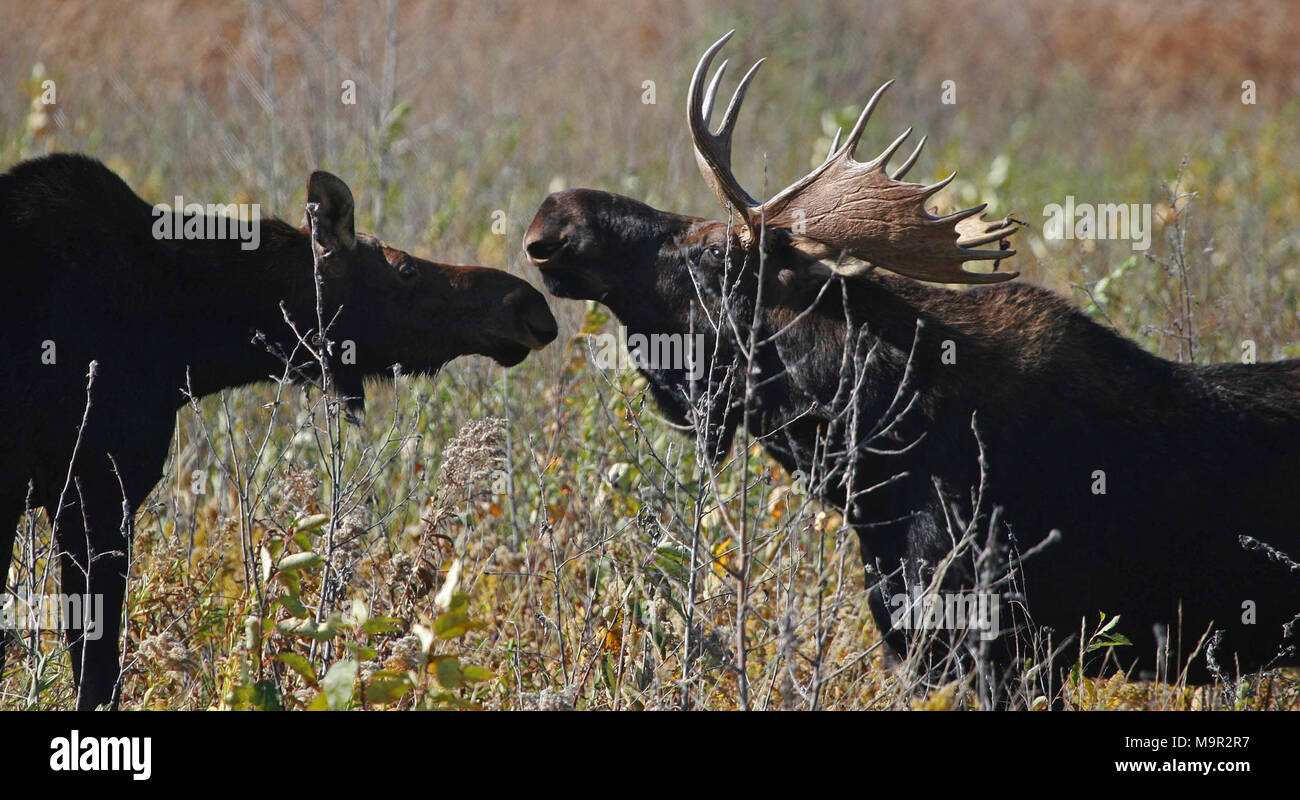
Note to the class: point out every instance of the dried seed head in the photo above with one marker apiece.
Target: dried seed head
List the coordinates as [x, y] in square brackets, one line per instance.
[471, 459]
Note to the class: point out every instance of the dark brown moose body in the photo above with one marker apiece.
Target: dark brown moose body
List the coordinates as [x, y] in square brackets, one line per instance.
[85, 279]
[991, 417]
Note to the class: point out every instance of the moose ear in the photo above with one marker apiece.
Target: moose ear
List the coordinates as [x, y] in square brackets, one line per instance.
[329, 210]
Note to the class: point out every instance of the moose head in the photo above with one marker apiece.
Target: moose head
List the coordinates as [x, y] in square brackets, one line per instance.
[395, 308]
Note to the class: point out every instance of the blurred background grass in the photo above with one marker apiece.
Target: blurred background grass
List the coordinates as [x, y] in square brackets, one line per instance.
[464, 110]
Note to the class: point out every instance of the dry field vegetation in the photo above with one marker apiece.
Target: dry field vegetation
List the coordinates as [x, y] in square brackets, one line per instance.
[539, 538]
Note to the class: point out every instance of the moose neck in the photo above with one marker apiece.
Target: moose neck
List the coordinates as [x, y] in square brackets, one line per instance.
[821, 405]
[873, 314]
[231, 332]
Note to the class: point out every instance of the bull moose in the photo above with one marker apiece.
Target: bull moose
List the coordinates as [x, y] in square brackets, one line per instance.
[1109, 480]
[89, 285]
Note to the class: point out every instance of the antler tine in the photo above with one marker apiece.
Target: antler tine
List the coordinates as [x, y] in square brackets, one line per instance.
[957, 216]
[698, 109]
[973, 233]
[888, 152]
[987, 238]
[910, 162]
[861, 125]
[937, 186]
[733, 108]
[835, 144]
[713, 151]
[987, 255]
[711, 94]
[978, 232]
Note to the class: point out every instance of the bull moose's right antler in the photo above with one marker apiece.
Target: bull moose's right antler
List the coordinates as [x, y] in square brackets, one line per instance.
[846, 205]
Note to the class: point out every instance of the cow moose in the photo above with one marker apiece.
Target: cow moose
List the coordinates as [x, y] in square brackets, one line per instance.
[1121, 483]
[88, 285]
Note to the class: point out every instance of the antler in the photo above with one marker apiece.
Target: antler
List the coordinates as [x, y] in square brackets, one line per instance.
[849, 206]
[713, 150]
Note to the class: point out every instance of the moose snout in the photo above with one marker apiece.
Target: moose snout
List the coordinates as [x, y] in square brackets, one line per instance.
[557, 230]
[547, 236]
[543, 249]
[537, 326]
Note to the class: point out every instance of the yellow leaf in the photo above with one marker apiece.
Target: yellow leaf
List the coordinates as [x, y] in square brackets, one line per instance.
[827, 523]
[612, 638]
[722, 557]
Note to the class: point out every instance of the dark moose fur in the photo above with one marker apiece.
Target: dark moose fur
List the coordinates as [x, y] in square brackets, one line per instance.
[1195, 457]
[83, 270]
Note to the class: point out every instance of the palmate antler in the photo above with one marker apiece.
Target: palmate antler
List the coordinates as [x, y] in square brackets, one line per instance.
[846, 205]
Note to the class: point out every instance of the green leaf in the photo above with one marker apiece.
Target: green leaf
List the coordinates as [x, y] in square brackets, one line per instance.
[293, 605]
[290, 581]
[307, 560]
[459, 602]
[476, 674]
[673, 560]
[607, 672]
[387, 687]
[308, 629]
[451, 625]
[311, 523]
[266, 697]
[382, 625]
[450, 700]
[1106, 637]
[1119, 641]
[337, 684]
[300, 665]
[449, 674]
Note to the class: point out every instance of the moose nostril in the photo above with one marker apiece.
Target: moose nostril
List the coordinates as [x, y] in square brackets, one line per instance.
[544, 249]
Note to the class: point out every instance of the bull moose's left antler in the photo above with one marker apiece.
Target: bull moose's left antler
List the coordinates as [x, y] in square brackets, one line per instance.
[846, 205]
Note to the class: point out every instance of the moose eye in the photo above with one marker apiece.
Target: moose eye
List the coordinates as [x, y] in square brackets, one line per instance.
[712, 256]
